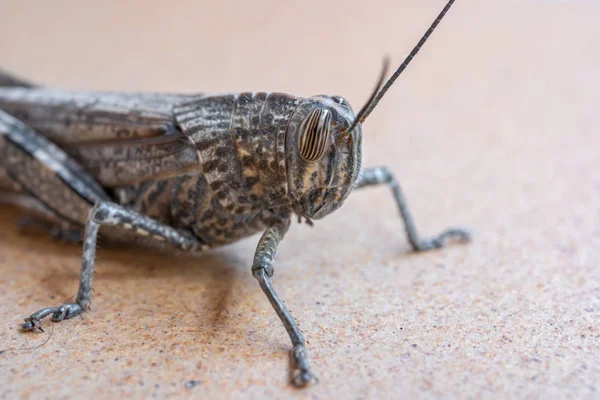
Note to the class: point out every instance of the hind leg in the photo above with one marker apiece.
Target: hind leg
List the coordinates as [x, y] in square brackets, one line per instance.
[64, 192]
[39, 176]
[110, 214]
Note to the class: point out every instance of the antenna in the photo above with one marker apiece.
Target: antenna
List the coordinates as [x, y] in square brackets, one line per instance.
[378, 94]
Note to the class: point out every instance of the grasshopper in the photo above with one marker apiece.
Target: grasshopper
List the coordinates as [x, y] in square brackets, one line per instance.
[194, 171]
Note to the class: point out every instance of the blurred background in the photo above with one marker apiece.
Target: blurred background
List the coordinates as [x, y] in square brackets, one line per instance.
[495, 126]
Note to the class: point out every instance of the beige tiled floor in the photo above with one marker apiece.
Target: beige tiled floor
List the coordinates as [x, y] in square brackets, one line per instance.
[495, 126]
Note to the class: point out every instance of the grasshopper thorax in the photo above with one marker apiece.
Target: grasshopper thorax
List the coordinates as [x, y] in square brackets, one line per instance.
[323, 158]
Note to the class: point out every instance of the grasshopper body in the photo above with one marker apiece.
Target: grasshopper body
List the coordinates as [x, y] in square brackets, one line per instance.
[212, 165]
[193, 171]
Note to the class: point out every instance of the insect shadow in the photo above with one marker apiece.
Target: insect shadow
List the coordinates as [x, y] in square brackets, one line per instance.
[145, 276]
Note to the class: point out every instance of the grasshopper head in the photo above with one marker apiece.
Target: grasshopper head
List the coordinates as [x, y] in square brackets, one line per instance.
[323, 143]
[323, 156]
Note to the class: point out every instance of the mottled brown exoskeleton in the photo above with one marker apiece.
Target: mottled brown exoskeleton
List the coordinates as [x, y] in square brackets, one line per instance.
[193, 171]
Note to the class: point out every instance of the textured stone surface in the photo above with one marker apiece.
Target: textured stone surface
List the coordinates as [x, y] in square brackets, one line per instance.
[495, 126]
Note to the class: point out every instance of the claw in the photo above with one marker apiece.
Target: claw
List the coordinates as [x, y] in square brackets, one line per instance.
[30, 324]
[301, 375]
[439, 241]
[64, 311]
[459, 234]
[304, 378]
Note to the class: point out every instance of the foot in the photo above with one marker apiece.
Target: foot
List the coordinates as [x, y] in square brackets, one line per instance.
[64, 311]
[301, 375]
[439, 241]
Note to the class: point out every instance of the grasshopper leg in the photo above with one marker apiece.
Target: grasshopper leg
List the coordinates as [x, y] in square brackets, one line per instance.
[112, 215]
[40, 176]
[262, 270]
[44, 179]
[381, 176]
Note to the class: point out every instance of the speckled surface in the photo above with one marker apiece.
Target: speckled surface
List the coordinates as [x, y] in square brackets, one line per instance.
[495, 126]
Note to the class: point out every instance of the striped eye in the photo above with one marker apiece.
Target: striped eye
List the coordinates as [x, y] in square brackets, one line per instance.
[314, 135]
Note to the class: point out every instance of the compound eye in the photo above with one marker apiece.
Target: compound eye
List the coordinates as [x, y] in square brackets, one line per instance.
[314, 135]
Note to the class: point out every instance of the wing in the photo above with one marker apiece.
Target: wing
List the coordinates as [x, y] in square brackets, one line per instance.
[123, 162]
[119, 138]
